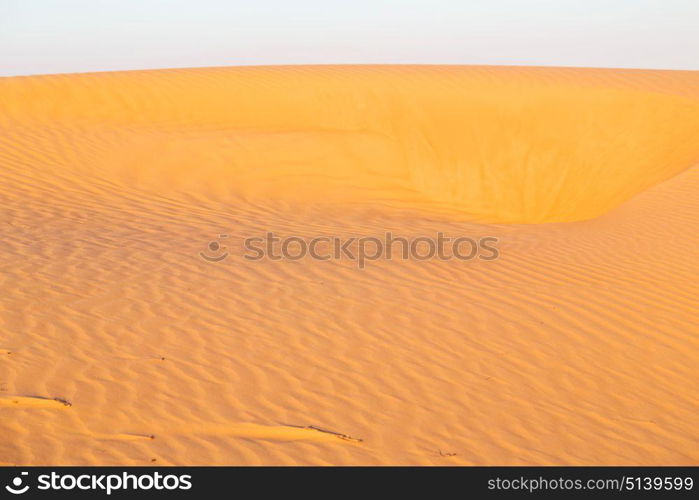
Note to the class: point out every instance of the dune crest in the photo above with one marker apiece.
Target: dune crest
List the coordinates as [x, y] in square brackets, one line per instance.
[492, 144]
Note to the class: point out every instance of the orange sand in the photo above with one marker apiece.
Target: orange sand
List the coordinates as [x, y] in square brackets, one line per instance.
[120, 345]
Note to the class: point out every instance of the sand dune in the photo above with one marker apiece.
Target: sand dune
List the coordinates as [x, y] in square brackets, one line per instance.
[428, 135]
[577, 346]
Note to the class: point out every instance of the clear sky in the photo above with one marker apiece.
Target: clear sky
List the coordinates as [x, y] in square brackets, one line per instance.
[60, 36]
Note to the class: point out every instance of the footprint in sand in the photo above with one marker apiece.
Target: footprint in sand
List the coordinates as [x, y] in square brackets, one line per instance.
[248, 431]
[338, 435]
[125, 436]
[284, 432]
[22, 402]
[142, 358]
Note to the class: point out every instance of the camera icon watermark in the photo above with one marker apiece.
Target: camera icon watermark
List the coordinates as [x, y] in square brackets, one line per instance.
[16, 487]
[215, 251]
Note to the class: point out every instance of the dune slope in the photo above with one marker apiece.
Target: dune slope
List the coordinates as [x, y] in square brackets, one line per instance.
[119, 344]
[493, 144]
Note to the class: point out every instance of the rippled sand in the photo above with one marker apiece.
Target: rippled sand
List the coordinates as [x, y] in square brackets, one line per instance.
[119, 344]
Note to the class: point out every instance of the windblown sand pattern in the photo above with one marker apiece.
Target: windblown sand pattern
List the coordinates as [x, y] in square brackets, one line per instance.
[120, 345]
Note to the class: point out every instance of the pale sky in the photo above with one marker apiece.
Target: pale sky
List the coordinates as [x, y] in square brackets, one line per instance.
[65, 36]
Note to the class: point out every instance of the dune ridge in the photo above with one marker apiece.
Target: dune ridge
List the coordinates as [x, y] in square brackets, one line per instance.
[578, 346]
[490, 144]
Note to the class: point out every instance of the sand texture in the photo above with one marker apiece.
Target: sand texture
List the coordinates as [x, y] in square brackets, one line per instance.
[120, 344]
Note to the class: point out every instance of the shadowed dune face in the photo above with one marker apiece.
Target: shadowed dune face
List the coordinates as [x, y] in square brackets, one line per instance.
[495, 144]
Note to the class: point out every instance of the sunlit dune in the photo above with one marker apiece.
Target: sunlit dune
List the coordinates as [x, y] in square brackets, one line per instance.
[120, 344]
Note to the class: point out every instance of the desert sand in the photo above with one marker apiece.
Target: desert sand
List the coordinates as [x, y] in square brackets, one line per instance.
[119, 344]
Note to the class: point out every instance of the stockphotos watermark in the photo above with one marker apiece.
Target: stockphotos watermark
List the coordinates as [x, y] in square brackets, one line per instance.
[361, 250]
[105, 483]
